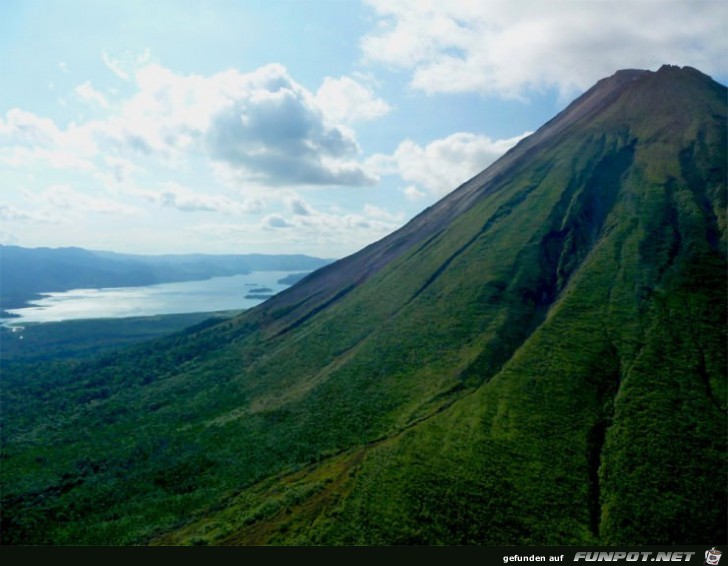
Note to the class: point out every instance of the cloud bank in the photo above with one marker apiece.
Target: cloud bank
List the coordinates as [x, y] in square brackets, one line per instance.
[506, 48]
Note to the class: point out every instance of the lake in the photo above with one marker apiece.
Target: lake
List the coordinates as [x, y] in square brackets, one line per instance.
[215, 294]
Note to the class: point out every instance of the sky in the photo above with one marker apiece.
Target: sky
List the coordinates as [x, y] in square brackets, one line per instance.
[316, 127]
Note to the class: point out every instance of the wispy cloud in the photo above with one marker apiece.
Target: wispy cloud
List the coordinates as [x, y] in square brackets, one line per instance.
[25, 128]
[65, 197]
[319, 231]
[125, 66]
[24, 157]
[14, 214]
[413, 193]
[27, 140]
[7, 238]
[176, 196]
[88, 92]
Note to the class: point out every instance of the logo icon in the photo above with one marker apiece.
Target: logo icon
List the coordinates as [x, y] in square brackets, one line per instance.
[712, 556]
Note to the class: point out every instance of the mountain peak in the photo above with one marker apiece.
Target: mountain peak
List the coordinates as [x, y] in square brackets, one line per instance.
[624, 76]
[669, 84]
[685, 70]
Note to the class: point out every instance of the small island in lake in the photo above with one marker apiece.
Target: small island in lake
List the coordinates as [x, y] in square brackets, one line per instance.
[260, 293]
[292, 278]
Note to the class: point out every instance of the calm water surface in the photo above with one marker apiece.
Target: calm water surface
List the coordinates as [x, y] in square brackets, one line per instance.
[216, 294]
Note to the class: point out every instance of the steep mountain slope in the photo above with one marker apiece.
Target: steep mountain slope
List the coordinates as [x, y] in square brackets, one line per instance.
[538, 358]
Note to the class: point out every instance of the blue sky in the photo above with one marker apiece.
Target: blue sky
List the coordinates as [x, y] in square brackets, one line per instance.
[316, 127]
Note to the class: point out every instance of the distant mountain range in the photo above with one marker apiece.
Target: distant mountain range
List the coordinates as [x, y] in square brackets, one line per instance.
[25, 272]
[538, 358]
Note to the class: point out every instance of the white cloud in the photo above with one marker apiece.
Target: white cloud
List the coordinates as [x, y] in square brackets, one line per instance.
[62, 196]
[28, 140]
[325, 232]
[256, 131]
[121, 169]
[504, 48]
[347, 100]
[335, 227]
[114, 67]
[11, 213]
[24, 157]
[298, 206]
[87, 92]
[7, 238]
[413, 193]
[174, 195]
[270, 129]
[263, 126]
[62, 204]
[125, 65]
[378, 213]
[276, 221]
[443, 164]
[24, 127]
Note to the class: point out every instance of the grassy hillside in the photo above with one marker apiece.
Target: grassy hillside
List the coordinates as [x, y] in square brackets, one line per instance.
[537, 360]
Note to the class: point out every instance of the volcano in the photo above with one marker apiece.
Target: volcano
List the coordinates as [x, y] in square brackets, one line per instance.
[538, 358]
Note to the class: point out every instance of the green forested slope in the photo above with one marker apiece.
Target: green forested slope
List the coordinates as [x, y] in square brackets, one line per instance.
[539, 358]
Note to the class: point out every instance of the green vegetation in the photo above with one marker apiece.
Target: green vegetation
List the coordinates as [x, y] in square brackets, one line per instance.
[81, 339]
[547, 367]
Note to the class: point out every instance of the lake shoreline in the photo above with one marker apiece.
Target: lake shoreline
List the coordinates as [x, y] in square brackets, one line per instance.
[214, 294]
